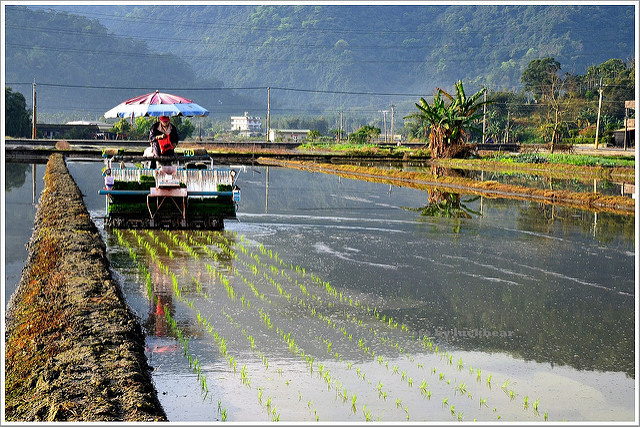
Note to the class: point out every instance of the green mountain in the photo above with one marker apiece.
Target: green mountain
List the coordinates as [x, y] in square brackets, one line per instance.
[82, 70]
[308, 53]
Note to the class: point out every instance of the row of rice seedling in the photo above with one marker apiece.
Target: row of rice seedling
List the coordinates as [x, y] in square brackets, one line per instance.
[362, 375]
[286, 336]
[181, 337]
[273, 270]
[270, 271]
[232, 296]
[427, 343]
[208, 327]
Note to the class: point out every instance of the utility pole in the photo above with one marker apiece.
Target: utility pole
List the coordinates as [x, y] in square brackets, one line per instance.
[393, 110]
[506, 133]
[268, 112]
[384, 115]
[34, 133]
[340, 134]
[599, 108]
[484, 117]
[626, 119]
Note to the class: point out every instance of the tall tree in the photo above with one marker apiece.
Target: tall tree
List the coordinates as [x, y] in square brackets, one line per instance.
[17, 120]
[538, 77]
[542, 78]
[449, 122]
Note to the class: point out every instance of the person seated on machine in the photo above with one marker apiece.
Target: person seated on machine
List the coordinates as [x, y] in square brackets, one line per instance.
[163, 138]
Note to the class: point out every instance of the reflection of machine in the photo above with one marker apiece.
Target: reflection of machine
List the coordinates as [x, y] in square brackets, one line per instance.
[195, 196]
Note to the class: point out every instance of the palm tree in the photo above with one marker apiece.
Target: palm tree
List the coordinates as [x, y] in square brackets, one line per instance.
[449, 122]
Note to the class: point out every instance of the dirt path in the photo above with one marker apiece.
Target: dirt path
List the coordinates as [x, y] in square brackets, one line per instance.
[73, 349]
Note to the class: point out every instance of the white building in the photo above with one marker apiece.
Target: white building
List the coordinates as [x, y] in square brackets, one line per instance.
[288, 135]
[246, 124]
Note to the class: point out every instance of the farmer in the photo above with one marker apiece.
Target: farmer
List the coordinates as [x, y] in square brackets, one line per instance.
[157, 138]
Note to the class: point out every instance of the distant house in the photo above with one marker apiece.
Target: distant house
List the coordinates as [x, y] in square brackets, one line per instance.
[288, 135]
[246, 124]
[629, 128]
[76, 130]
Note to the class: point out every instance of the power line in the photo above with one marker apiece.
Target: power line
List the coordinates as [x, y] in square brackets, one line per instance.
[216, 89]
[253, 88]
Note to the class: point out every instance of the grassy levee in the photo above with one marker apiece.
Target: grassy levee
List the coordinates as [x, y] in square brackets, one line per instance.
[74, 350]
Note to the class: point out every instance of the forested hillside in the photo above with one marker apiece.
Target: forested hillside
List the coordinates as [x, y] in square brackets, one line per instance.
[399, 50]
[377, 48]
[81, 69]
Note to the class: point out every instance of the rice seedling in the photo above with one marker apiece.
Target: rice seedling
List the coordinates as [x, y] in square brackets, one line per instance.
[535, 405]
[526, 402]
[462, 388]
[483, 402]
[445, 401]
[366, 412]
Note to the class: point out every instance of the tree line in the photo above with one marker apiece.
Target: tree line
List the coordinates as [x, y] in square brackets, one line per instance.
[552, 107]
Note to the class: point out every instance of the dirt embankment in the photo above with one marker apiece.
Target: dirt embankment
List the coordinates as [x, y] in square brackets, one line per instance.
[74, 351]
[592, 201]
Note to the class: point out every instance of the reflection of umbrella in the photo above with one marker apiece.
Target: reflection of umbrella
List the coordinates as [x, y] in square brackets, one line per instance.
[156, 104]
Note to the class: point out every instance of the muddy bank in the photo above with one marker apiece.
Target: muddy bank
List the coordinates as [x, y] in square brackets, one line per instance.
[591, 201]
[74, 351]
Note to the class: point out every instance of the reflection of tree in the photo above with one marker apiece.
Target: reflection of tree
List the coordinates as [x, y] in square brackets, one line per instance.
[448, 205]
[606, 227]
[548, 324]
[16, 175]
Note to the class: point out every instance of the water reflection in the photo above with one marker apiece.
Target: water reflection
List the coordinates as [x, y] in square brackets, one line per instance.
[445, 204]
[547, 291]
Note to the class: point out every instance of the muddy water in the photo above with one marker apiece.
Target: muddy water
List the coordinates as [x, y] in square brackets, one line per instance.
[540, 298]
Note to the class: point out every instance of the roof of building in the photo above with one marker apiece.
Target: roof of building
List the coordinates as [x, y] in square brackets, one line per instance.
[292, 130]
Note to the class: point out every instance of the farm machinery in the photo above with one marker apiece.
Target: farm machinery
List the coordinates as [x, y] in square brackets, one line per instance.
[190, 193]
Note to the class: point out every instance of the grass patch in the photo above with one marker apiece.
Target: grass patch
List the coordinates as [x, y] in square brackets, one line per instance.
[568, 159]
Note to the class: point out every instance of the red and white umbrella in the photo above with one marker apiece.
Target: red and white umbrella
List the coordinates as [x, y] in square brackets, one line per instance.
[156, 104]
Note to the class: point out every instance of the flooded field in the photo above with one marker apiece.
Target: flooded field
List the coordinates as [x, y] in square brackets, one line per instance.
[340, 300]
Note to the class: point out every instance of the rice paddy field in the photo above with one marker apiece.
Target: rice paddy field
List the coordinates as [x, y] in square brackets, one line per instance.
[336, 300]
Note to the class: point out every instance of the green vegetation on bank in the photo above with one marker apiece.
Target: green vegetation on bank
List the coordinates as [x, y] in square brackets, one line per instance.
[567, 159]
[533, 158]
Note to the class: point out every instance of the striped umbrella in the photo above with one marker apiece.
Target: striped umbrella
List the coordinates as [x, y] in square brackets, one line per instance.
[156, 104]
